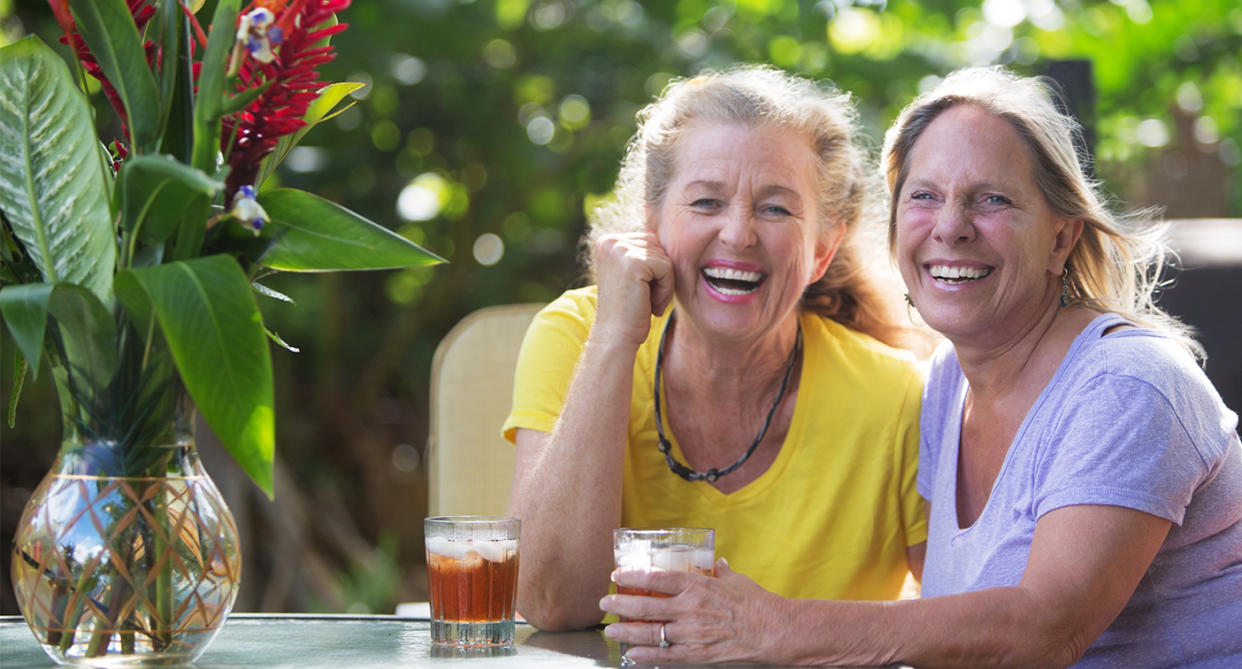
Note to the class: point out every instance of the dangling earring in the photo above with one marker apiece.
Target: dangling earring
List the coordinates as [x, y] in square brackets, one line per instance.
[1065, 287]
[910, 312]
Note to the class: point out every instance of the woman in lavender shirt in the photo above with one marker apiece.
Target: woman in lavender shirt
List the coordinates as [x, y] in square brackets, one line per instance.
[1084, 477]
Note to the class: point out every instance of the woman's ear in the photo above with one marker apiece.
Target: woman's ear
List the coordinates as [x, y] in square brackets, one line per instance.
[825, 250]
[1067, 234]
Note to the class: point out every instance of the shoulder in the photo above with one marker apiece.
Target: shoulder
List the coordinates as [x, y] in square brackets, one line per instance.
[1145, 376]
[578, 301]
[574, 310]
[860, 352]
[1140, 356]
[561, 326]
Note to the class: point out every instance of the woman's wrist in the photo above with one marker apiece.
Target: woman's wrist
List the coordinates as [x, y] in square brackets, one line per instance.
[611, 343]
[781, 630]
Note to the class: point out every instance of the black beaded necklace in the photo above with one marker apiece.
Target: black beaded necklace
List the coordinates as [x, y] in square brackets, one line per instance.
[712, 474]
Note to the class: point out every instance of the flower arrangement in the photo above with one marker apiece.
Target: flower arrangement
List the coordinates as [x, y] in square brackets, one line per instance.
[161, 237]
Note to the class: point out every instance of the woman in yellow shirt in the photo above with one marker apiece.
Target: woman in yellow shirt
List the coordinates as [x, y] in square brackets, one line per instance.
[768, 403]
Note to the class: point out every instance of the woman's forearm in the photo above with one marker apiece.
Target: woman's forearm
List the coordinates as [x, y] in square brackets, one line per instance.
[997, 627]
[567, 491]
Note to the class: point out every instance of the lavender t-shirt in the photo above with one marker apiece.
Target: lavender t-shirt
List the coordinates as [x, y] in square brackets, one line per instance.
[1128, 420]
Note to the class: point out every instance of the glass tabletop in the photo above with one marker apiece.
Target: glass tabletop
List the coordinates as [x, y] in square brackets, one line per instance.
[347, 641]
[319, 641]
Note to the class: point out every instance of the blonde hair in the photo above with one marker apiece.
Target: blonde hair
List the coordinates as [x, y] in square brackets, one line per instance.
[1118, 262]
[851, 291]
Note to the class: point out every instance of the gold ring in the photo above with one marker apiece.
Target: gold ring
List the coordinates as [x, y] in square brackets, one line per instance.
[664, 643]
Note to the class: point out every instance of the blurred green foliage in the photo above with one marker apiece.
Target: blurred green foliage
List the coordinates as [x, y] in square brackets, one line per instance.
[487, 127]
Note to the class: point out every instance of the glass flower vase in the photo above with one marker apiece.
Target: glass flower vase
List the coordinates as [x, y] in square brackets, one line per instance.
[126, 554]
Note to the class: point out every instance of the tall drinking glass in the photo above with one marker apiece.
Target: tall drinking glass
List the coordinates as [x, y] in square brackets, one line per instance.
[472, 568]
[690, 549]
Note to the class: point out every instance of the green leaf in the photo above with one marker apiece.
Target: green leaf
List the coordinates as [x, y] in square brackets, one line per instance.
[158, 194]
[317, 112]
[212, 325]
[269, 292]
[52, 186]
[25, 312]
[211, 84]
[282, 343]
[109, 30]
[176, 82]
[312, 234]
[87, 331]
[85, 325]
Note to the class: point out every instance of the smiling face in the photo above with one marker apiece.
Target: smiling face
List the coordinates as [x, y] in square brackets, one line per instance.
[739, 221]
[978, 245]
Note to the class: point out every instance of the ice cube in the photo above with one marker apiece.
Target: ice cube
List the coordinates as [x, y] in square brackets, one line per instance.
[495, 551]
[673, 558]
[456, 550]
[704, 560]
[634, 554]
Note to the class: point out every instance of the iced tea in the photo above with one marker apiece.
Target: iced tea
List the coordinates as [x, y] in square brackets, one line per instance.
[471, 581]
[472, 568]
[639, 554]
[671, 549]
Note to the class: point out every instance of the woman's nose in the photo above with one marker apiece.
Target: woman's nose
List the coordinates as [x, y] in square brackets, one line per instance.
[953, 225]
[738, 228]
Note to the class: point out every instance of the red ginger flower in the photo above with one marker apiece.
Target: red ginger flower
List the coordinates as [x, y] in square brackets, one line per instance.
[253, 133]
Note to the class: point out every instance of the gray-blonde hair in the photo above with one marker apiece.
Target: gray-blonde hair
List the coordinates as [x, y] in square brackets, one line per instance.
[850, 195]
[1118, 262]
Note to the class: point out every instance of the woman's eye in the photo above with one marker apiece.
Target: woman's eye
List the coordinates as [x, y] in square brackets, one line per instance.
[920, 195]
[775, 210]
[998, 200]
[705, 203]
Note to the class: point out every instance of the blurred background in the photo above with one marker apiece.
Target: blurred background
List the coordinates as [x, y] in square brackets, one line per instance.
[487, 127]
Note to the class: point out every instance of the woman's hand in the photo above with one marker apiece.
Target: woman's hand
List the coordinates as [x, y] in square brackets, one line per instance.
[635, 281]
[729, 618]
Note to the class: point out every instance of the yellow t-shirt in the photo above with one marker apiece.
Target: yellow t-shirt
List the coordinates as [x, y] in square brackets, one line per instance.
[832, 516]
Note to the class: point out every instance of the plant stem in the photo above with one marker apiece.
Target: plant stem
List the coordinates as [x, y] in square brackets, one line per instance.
[164, 543]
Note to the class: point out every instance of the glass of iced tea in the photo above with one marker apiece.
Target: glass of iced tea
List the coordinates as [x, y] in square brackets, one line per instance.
[472, 568]
[669, 548]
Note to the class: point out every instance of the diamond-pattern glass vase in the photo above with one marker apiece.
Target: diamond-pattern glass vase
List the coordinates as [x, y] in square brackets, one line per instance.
[126, 554]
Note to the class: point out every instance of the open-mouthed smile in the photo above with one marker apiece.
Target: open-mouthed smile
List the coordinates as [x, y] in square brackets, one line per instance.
[732, 281]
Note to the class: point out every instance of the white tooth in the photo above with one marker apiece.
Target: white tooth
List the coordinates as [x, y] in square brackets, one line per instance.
[732, 274]
[949, 272]
[732, 291]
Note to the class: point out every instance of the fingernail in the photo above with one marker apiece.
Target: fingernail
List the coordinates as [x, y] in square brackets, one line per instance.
[610, 632]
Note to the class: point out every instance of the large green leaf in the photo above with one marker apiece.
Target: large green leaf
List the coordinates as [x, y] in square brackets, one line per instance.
[85, 324]
[315, 235]
[52, 186]
[157, 193]
[108, 28]
[212, 325]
